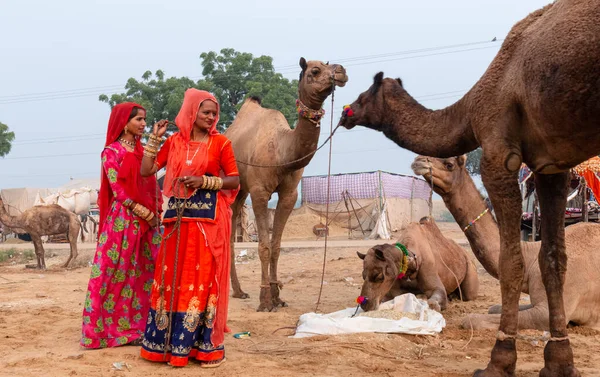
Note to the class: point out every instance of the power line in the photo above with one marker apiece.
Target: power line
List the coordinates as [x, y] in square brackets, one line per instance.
[406, 52]
[66, 139]
[52, 175]
[101, 136]
[83, 92]
[52, 156]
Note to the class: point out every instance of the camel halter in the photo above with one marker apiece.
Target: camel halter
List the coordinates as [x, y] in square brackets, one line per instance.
[304, 113]
[314, 116]
[471, 223]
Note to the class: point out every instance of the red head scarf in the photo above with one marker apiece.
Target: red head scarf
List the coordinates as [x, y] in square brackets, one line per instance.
[218, 233]
[180, 147]
[140, 190]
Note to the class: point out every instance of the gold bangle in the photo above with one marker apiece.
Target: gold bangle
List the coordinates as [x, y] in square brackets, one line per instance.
[150, 216]
[204, 182]
[213, 183]
[220, 183]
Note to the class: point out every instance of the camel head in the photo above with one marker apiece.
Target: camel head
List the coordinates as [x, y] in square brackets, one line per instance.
[317, 81]
[446, 172]
[369, 107]
[380, 270]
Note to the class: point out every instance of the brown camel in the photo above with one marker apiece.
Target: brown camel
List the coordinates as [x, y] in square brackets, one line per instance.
[45, 220]
[437, 267]
[582, 280]
[263, 137]
[538, 103]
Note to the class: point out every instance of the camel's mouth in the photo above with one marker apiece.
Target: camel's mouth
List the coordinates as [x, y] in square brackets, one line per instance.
[421, 167]
[340, 80]
[344, 122]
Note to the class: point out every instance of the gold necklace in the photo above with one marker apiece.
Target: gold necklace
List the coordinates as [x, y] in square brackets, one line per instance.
[188, 160]
[126, 142]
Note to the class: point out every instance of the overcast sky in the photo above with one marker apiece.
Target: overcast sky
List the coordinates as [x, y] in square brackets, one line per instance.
[58, 56]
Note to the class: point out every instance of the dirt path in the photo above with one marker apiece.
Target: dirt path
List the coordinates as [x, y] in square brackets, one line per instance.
[40, 324]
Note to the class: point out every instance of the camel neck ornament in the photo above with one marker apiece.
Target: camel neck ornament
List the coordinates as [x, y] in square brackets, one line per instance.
[403, 265]
[312, 115]
[471, 223]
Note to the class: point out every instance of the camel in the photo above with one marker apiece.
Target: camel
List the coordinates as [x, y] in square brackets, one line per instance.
[262, 136]
[83, 219]
[538, 103]
[582, 280]
[437, 267]
[45, 220]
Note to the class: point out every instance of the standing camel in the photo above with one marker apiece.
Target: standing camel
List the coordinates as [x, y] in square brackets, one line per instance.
[262, 136]
[538, 103]
[46, 220]
[582, 280]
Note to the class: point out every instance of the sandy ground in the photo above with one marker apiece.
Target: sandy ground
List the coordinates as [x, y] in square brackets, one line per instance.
[40, 323]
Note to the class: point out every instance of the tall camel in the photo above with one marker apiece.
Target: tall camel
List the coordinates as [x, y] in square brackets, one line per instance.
[41, 221]
[582, 280]
[262, 136]
[539, 103]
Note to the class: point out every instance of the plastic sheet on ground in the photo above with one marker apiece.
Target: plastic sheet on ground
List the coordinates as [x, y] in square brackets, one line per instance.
[430, 322]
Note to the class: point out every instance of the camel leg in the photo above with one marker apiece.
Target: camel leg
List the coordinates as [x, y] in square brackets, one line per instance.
[285, 205]
[72, 235]
[497, 309]
[236, 209]
[260, 200]
[533, 318]
[552, 194]
[503, 188]
[429, 282]
[39, 251]
[470, 284]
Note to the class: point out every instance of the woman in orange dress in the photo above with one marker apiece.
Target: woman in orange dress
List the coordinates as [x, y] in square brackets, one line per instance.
[190, 294]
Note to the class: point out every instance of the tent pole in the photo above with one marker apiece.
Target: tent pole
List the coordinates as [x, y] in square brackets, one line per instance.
[584, 194]
[412, 196]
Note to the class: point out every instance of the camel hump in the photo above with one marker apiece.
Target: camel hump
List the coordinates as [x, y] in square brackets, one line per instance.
[426, 220]
[252, 101]
[256, 99]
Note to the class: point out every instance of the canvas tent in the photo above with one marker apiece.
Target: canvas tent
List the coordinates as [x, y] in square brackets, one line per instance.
[17, 200]
[370, 204]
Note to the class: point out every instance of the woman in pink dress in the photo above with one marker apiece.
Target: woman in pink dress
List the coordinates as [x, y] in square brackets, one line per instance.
[118, 296]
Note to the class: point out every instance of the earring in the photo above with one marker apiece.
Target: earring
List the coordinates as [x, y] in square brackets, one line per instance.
[126, 130]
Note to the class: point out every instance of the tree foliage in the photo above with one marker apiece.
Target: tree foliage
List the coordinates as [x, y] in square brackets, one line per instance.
[230, 75]
[473, 161]
[6, 139]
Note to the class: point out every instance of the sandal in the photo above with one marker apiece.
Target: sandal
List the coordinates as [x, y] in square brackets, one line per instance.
[212, 364]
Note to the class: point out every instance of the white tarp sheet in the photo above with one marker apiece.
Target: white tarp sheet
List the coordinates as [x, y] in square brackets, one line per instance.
[341, 322]
[381, 229]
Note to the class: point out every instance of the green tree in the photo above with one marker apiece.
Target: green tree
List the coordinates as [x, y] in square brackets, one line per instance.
[6, 139]
[230, 75]
[473, 161]
[161, 97]
[237, 75]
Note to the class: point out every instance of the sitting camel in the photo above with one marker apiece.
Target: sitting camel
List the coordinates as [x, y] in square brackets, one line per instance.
[582, 280]
[437, 266]
[41, 221]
